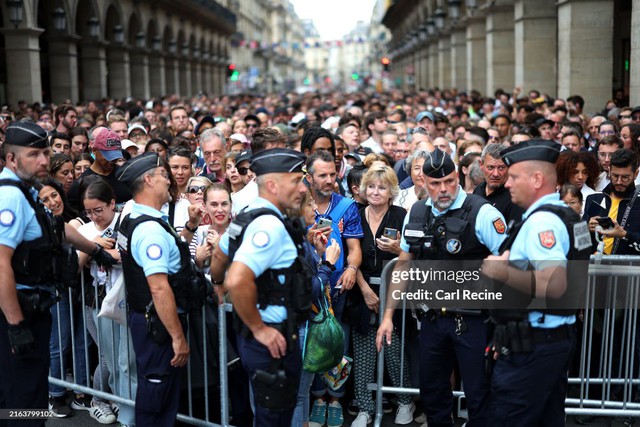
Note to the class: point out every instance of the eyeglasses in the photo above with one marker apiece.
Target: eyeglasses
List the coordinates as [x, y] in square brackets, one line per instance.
[622, 178]
[136, 136]
[252, 125]
[193, 189]
[243, 170]
[91, 212]
[604, 155]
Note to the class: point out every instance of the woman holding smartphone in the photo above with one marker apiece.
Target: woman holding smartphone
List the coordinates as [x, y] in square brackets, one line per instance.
[381, 222]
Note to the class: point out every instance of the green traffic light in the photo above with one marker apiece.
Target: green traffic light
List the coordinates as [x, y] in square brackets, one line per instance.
[234, 76]
[355, 76]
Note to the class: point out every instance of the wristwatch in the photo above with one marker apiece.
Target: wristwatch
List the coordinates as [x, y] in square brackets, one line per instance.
[189, 229]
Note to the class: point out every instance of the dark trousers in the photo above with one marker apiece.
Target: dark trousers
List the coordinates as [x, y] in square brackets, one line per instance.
[528, 389]
[255, 356]
[158, 392]
[24, 383]
[440, 347]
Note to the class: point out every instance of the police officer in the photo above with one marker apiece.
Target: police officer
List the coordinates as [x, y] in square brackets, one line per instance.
[157, 270]
[31, 254]
[534, 347]
[265, 272]
[450, 225]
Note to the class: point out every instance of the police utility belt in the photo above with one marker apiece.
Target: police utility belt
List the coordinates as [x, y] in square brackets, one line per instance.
[521, 337]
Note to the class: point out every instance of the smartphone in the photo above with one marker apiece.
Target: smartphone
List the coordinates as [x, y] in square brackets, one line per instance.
[390, 233]
[605, 222]
[324, 222]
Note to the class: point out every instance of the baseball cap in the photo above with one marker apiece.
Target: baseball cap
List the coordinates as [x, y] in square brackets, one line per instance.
[108, 142]
[421, 115]
[136, 126]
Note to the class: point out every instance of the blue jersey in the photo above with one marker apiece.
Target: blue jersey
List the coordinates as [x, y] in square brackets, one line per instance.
[485, 228]
[265, 245]
[18, 221]
[152, 247]
[543, 242]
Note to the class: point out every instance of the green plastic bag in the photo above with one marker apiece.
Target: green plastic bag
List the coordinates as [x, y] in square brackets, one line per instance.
[324, 341]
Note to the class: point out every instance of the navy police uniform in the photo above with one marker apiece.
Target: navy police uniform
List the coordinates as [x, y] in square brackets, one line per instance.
[24, 348]
[149, 246]
[470, 229]
[269, 244]
[529, 380]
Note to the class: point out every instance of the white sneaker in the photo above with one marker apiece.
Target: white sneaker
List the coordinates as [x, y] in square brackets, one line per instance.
[101, 412]
[404, 414]
[361, 420]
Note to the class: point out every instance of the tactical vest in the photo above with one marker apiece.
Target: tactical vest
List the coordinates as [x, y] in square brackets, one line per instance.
[45, 261]
[448, 236]
[579, 249]
[188, 285]
[295, 293]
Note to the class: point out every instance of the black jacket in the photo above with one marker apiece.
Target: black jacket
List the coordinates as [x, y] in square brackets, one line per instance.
[630, 245]
[501, 200]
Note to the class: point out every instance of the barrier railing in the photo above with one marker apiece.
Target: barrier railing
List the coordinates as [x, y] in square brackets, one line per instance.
[78, 317]
[605, 381]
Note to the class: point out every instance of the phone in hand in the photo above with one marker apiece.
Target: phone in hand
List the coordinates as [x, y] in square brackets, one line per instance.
[390, 233]
[324, 222]
[605, 222]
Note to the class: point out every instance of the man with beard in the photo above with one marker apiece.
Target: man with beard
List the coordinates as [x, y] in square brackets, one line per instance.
[492, 189]
[107, 151]
[66, 118]
[617, 201]
[346, 229]
[450, 225]
[31, 269]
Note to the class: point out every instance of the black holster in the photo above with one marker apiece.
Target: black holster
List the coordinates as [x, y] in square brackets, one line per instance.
[275, 391]
[35, 302]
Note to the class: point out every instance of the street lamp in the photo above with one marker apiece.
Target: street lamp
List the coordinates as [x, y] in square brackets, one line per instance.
[431, 27]
[140, 39]
[59, 19]
[118, 34]
[454, 9]
[439, 15]
[94, 27]
[16, 9]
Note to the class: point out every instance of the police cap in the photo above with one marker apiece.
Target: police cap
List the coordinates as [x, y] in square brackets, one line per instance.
[438, 164]
[135, 167]
[535, 149]
[277, 160]
[26, 134]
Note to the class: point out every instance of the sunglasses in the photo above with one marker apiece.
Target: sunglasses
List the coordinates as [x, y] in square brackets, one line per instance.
[193, 189]
[243, 170]
[252, 125]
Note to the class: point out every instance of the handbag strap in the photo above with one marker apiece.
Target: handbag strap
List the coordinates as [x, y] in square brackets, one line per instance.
[625, 218]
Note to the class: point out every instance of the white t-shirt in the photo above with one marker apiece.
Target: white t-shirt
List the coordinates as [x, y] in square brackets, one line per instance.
[100, 276]
[244, 197]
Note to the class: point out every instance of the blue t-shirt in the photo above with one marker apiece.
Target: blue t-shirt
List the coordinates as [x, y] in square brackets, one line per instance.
[544, 242]
[18, 221]
[348, 226]
[265, 245]
[484, 223]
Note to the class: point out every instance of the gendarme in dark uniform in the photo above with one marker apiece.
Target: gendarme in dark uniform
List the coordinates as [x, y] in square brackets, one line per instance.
[458, 226]
[34, 262]
[157, 273]
[529, 380]
[269, 287]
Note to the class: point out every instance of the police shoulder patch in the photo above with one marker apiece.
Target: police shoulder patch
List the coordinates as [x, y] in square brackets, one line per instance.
[499, 225]
[260, 239]
[547, 239]
[154, 252]
[7, 218]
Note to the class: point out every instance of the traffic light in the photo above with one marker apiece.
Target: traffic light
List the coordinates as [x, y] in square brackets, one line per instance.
[385, 63]
[355, 76]
[231, 69]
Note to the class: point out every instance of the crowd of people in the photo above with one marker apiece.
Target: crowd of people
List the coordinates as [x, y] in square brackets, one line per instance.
[361, 171]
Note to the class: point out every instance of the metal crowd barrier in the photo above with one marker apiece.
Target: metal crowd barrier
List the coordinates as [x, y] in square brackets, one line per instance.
[604, 380]
[188, 417]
